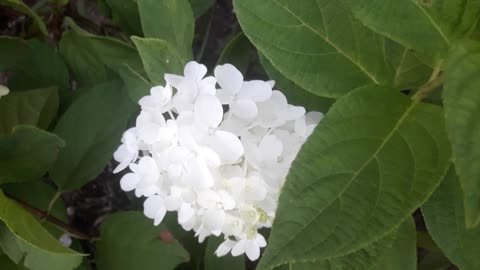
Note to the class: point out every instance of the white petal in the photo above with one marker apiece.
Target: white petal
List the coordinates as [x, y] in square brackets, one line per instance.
[185, 213]
[207, 86]
[239, 248]
[313, 118]
[244, 108]
[174, 80]
[257, 91]
[271, 147]
[152, 206]
[213, 219]
[159, 216]
[229, 78]
[300, 127]
[129, 181]
[293, 112]
[208, 110]
[252, 250]
[260, 240]
[225, 247]
[227, 145]
[271, 83]
[194, 71]
[182, 103]
[4, 90]
[224, 96]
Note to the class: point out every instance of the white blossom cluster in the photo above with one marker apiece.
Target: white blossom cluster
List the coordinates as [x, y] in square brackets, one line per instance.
[3, 90]
[215, 149]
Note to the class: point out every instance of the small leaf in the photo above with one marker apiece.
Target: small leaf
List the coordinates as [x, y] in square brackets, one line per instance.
[27, 154]
[462, 110]
[295, 94]
[24, 239]
[130, 241]
[20, 6]
[237, 52]
[430, 26]
[169, 20]
[136, 85]
[12, 51]
[212, 262]
[92, 128]
[37, 107]
[444, 215]
[158, 58]
[373, 159]
[125, 13]
[317, 44]
[199, 7]
[41, 67]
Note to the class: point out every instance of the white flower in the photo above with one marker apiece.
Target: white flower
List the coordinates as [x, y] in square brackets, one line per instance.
[4, 90]
[221, 168]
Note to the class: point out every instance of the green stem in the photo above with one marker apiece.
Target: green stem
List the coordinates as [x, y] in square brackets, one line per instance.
[435, 81]
[52, 202]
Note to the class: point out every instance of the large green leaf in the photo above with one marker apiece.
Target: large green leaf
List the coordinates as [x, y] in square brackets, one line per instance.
[430, 26]
[27, 154]
[315, 43]
[12, 51]
[462, 111]
[35, 107]
[170, 20]
[295, 94]
[24, 239]
[125, 13]
[212, 262]
[7, 264]
[444, 215]
[41, 67]
[373, 159]
[20, 6]
[159, 57]
[128, 240]
[92, 128]
[395, 251]
[137, 86]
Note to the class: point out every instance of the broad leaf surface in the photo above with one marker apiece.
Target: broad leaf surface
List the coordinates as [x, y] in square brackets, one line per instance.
[125, 13]
[462, 111]
[92, 128]
[170, 20]
[27, 154]
[35, 107]
[137, 86]
[128, 240]
[24, 239]
[430, 26]
[12, 51]
[315, 43]
[444, 215]
[373, 159]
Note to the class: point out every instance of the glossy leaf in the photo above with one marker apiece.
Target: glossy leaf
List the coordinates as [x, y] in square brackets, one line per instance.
[128, 240]
[92, 128]
[24, 239]
[373, 159]
[20, 6]
[125, 13]
[317, 44]
[212, 262]
[27, 154]
[170, 20]
[37, 107]
[295, 94]
[12, 51]
[159, 57]
[444, 215]
[462, 110]
[430, 26]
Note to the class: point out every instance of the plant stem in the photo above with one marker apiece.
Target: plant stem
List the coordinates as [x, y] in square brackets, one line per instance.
[435, 81]
[43, 215]
[207, 35]
[52, 202]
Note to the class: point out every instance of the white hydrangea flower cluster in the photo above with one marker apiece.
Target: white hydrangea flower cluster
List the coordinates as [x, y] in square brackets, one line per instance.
[221, 171]
[4, 90]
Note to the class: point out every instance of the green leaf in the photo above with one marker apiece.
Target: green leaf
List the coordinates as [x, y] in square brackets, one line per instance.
[397, 250]
[20, 6]
[92, 128]
[37, 107]
[212, 262]
[317, 44]
[12, 51]
[295, 94]
[136, 85]
[444, 215]
[24, 239]
[130, 241]
[237, 52]
[373, 159]
[199, 7]
[170, 20]
[430, 26]
[41, 67]
[158, 57]
[27, 154]
[125, 13]
[6, 263]
[462, 110]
